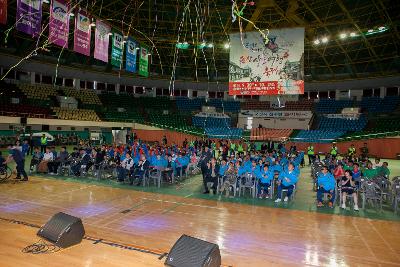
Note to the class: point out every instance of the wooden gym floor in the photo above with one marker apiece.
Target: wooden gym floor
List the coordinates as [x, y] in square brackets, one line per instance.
[248, 235]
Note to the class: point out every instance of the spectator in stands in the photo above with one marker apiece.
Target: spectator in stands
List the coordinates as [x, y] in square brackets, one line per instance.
[356, 174]
[287, 180]
[43, 143]
[47, 157]
[364, 151]
[326, 184]
[223, 168]
[16, 155]
[348, 187]
[212, 175]
[265, 180]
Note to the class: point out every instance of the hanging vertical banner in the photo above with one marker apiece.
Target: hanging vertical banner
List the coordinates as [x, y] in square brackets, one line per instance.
[131, 55]
[82, 33]
[117, 49]
[144, 62]
[267, 67]
[101, 41]
[59, 23]
[29, 16]
[3, 11]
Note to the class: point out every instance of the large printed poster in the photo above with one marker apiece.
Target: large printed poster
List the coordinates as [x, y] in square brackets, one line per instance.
[101, 41]
[29, 16]
[59, 23]
[272, 67]
[82, 33]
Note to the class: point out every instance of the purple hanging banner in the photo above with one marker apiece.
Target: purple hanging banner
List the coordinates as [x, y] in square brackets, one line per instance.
[82, 33]
[101, 40]
[29, 16]
[59, 23]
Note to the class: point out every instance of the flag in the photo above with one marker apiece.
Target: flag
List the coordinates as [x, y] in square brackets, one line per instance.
[82, 33]
[144, 62]
[3, 11]
[131, 52]
[59, 23]
[101, 40]
[117, 49]
[29, 16]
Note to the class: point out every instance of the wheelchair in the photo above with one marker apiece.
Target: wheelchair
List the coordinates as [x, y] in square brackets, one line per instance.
[5, 173]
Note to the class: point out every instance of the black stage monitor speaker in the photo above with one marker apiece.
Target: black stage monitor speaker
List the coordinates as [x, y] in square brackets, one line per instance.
[63, 230]
[192, 252]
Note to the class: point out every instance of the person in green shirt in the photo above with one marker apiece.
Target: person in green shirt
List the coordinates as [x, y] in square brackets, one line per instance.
[369, 173]
[334, 151]
[310, 153]
[351, 151]
[240, 148]
[348, 166]
[384, 170]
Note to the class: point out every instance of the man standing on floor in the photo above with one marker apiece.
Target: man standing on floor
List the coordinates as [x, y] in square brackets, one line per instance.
[16, 155]
[204, 160]
[311, 154]
[43, 143]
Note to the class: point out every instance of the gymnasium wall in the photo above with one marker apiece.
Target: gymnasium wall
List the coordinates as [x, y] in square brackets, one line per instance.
[157, 135]
[387, 148]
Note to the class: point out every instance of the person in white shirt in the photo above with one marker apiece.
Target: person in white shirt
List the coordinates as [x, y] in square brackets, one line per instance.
[47, 157]
[377, 163]
[125, 167]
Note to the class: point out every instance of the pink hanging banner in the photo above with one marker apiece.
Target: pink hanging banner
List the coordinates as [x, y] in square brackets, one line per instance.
[82, 33]
[3, 11]
[101, 40]
[59, 23]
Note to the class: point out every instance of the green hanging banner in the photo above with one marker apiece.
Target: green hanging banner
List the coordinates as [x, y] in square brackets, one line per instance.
[117, 50]
[144, 62]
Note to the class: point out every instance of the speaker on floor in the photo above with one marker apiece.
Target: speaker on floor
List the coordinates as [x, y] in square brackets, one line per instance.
[192, 252]
[63, 230]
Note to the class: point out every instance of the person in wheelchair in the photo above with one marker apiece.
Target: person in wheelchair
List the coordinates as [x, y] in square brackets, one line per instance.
[47, 157]
[36, 158]
[125, 168]
[85, 159]
[62, 158]
[229, 179]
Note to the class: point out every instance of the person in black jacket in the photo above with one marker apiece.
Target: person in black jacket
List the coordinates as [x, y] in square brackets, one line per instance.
[16, 155]
[204, 160]
[141, 170]
[212, 175]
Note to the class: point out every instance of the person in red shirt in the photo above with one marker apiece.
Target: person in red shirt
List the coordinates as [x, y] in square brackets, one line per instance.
[338, 173]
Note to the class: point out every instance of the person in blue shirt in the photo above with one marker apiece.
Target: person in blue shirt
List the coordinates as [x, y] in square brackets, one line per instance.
[265, 179]
[25, 147]
[16, 155]
[326, 184]
[222, 168]
[287, 180]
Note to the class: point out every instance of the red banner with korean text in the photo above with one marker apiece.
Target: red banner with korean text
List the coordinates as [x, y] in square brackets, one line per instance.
[3, 11]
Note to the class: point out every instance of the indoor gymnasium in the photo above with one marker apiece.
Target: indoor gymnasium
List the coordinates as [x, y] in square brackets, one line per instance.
[199, 133]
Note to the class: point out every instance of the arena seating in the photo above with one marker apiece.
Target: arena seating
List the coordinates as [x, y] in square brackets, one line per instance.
[76, 114]
[226, 106]
[380, 105]
[38, 91]
[256, 105]
[210, 122]
[125, 116]
[343, 124]
[323, 136]
[332, 106]
[23, 110]
[387, 124]
[266, 134]
[187, 104]
[224, 132]
[86, 96]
